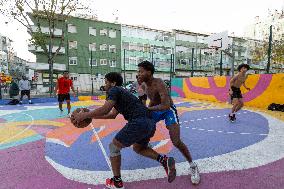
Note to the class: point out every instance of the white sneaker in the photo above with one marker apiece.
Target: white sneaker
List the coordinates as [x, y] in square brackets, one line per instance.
[195, 177]
[69, 115]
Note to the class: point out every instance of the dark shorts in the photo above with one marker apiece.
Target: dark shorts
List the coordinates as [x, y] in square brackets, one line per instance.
[25, 92]
[236, 93]
[143, 97]
[138, 130]
[62, 97]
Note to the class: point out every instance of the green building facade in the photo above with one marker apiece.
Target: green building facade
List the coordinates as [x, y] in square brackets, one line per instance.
[85, 41]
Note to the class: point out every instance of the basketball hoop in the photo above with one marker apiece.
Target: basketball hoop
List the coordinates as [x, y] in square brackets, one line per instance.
[218, 41]
[214, 49]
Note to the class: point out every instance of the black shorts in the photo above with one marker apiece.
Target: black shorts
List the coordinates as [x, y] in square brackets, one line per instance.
[138, 130]
[25, 92]
[62, 97]
[236, 93]
[143, 97]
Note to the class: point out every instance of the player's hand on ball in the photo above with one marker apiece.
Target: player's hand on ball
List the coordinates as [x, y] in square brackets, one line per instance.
[80, 118]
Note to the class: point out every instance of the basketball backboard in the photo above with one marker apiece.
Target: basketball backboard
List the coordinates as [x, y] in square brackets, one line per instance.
[219, 41]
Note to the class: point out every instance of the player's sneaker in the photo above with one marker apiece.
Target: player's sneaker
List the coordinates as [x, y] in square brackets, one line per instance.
[169, 166]
[234, 117]
[231, 118]
[195, 177]
[112, 184]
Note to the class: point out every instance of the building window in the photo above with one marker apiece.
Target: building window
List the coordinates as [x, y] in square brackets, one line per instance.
[103, 62]
[132, 46]
[74, 78]
[72, 44]
[125, 45]
[92, 31]
[72, 28]
[146, 48]
[92, 47]
[129, 76]
[72, 60]
[103, 32]
[94, 62]
[112, 48]
[166, 38]
[103, 47]
[133, 60]
[112, 63]
[168, 51]
[112, 34]
[126, 61]
[139, 47]
[183, 61]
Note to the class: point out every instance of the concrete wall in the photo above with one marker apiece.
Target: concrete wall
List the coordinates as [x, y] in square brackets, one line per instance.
[265, 89]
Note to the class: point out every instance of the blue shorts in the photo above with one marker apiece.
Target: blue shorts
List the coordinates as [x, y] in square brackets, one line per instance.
[170, 116]
[138, 130]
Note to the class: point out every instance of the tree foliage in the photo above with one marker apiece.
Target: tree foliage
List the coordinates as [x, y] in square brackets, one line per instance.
[36, 14]
[260, 50]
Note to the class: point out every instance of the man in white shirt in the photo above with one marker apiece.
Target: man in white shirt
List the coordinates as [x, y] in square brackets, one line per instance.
[25, 88]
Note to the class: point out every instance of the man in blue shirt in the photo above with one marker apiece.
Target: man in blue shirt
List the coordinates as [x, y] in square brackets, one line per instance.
[137, 132]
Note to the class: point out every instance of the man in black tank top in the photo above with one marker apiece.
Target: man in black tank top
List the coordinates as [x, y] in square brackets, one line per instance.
[137, 132]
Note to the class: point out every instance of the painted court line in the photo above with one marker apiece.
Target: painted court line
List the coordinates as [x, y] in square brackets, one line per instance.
[101, 146]
[27, 128]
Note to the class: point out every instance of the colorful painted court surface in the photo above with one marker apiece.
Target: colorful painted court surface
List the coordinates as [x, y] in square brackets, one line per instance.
[39, 148]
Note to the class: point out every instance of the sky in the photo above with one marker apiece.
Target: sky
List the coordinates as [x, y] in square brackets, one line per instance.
[205, 16]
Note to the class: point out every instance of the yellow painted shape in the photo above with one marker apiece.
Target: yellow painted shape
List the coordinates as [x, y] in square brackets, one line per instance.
[199, 82]
[84, 98]
[84, 103]
[102, 97]
[7, 134]
[251, 82]
[36, 122]
[273, 94]
[220, 81]
[191, 95]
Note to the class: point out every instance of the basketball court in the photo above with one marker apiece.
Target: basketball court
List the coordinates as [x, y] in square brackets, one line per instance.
[39, 148]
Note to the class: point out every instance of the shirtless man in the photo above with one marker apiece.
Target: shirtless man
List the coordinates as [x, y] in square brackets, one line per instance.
[140, 88]
[163, 108]
[235, 92]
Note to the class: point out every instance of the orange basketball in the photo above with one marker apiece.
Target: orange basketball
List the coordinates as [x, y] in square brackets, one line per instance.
[83, 123]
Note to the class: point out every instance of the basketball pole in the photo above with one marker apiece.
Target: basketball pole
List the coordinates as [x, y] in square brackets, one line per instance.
[192, 54]
[221, 60]
[269, 50]
[124, 59]
[221, 63]
[92, 71]
[172, 60]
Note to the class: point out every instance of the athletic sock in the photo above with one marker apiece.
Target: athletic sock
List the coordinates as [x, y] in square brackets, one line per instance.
[161, 159]
[117, 179]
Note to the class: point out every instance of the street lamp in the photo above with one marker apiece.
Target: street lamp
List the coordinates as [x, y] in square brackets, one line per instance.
[67, 43]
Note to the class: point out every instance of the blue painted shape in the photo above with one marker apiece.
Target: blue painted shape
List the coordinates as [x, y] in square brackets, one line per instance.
[188, 104]
[86, 155]
[40, 114]
[37, 100]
